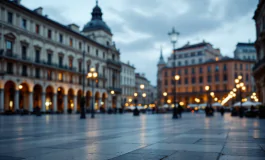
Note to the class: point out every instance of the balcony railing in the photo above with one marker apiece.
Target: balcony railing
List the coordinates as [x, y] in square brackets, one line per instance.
[259, 63]
[27, 59]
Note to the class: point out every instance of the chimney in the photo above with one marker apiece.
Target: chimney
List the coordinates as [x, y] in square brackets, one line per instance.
[74, 27]
[38, 10]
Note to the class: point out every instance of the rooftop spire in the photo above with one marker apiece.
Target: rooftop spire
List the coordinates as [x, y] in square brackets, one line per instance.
[96, 2]
[161, 59]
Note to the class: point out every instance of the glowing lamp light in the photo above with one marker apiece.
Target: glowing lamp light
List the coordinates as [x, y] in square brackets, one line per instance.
[112, 92]
[236, 80]
[130, 100]
[135, 94]
[177, 77]
[144, 95]
[240, 77]
[241, 84]
[20, 86]
[207, 88]
[168, 101]
[234, 89]
[212, 94]
[181, 103]
[142, 86]
[165, 94]
[92, 69]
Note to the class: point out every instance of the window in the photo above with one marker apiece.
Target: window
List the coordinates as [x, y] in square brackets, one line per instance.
[24, 52]
[49, 75]
[71, 42]
[241, 67]
[225, 77]
[24, 70]
[165, 82]
[37, 73]
[225, 68]
[80, 79]
[174, 56]
[179, 63]
[10, 17]
[60, 76]
[173, 73]
[192, 54]
[247, 77]
[186, 62]
[209, 69]
[107, 43]
[186, 70]
[201, 70]
[70, 63]
[201, 79]
[216, 78]
[246, 66]
[24, 24]
[216, 68]
[173, 64]
[49, 33]
[80, 66]
[49, 58]
[37, 55]
[193, 80]
[200, 60]
[61, 38]
[37, 29]
[71, 78]
[179, 72]
[186, 81]
[88, 49]
[200, 53]
[80, 45]
[103, 55]
[179, 81]
[96, 52]
[60, 61]
[9, 68]
[236, 66]
[236, 75]
[9, 47]
[193, 70]
[165, 73]
[209, 79]
[193, 61]
[173, 82]
[113, 57]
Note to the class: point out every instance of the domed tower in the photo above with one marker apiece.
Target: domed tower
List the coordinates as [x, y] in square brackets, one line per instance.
[97, 29]
[161, 64]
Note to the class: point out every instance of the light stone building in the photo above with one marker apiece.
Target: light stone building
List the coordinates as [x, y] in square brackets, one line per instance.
[42, 61]
[140, 79]
[193, 54]
[245, 51]
[127, 82]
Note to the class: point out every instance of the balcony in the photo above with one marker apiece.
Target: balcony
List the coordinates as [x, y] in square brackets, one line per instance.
[116, 90]
[259, 63]
[115, 63]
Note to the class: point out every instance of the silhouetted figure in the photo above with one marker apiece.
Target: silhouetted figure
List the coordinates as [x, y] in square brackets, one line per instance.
[207, 109]
[222, 110]
[136, 112]
[180, 110]
[38, 113]
[241, 112]
[175, 113]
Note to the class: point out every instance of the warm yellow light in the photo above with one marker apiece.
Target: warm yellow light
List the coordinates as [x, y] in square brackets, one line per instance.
[254, 94]
[95, 74]
[215, 99]
[11, 104]
[89, 75]
[142, 86]
[207, 88]
[130, 100]
[239, 77]
[236, 81]
[165, 94]
[92, 69]
[59, 89]
[144, 95]
[243, 88]
[126, 104]
[241, 84]
[135, 94]
[112, 92]
[234, 89]
[212, 94]
[47, 103]
[168, 101]
[20, 86]
[256, 99]
[177, 77]
[72, 105]
[181, 103]
[237, 86]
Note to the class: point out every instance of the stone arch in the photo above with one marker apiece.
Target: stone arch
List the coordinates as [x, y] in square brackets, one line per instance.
[70, 99]
[37, 93]
[49, 101]
[79, 96]
[9, 96]
[104, 100]
[97, 100]
[24, 96]
[88, 99]
[60, 99]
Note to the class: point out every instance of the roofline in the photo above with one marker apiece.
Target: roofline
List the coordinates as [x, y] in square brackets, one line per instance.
[53, 22]
[127, 65]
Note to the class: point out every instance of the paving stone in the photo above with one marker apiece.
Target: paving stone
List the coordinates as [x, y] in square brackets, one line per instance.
[243, 152]
[192, 155]
[180, 140]
[30, 152]
[10, 158]
[153, 151]
[228, 157]
[139, 157]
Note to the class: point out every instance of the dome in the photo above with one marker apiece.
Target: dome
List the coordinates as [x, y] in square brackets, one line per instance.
[96, 22]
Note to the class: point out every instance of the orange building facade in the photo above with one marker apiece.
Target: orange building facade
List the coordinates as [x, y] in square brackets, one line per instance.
[218, 74]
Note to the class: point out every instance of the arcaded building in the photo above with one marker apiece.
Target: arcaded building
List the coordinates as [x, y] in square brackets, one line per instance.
[42, 61]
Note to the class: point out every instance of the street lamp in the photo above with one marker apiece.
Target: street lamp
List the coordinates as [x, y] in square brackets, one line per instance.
[142, 88]
[173, 37]
[83, 99]
[144, 95]
[165, 97]
[175, 114]
[92, 74]
[135, 111]
[207, 88]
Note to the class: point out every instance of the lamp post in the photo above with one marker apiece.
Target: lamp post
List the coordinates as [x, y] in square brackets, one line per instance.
[92, 74]
[173, 37]
[175, 114]
[207, 88]
[144, 95]
[135, 111]
[83, 99]
[165, 97]
[142, 90]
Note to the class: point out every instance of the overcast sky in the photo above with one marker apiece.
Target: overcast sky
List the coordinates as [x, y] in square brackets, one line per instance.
[140, 27]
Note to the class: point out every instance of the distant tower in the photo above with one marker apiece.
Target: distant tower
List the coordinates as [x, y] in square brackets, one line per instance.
[161, 64]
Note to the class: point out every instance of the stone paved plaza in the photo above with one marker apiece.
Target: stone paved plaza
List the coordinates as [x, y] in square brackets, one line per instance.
[124, 137]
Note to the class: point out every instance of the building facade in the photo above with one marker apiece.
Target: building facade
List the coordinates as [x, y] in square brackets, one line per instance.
[218, 74]
[141, 80]
[127, 82]
[259, 67]
[193, 54]
[43, 62]
[245, 51]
